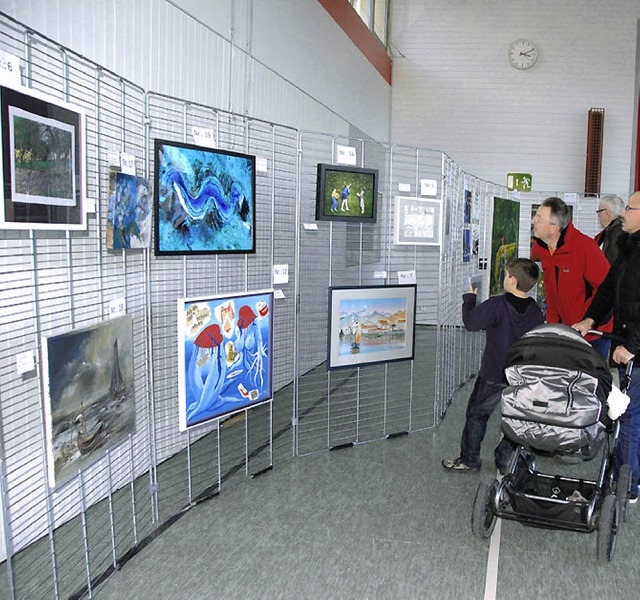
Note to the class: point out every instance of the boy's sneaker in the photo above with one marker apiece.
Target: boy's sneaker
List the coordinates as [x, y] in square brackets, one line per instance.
[456, 464]
[633, 498]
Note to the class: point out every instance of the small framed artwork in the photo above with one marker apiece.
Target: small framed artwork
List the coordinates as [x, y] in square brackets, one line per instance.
[205, 200]
[89, 397]
[129, 215]
[224, 355]
[346, 194]
[418, 221]
[371, 325]
[43, 162]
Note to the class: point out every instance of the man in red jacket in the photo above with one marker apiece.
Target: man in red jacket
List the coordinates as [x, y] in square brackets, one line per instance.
[573, 267]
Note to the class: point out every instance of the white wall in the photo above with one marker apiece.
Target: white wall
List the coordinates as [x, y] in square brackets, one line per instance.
[453, 87]
[285, 61]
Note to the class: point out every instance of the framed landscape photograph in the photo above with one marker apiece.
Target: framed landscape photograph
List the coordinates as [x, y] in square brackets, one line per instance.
[346, 194]
[418, 221]
[43, 162]
[89, 402]
[204, 200]
[370, 324]
[225, 355]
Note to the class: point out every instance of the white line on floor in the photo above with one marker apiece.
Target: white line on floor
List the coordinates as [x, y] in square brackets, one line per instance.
[491, 578]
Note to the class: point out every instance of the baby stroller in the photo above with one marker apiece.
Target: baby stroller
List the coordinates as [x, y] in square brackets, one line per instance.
[555, 405]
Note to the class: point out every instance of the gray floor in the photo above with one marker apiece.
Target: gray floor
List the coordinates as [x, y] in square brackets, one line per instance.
[379, 520]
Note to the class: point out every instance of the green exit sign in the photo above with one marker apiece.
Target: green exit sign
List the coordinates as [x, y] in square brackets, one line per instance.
[519, 181]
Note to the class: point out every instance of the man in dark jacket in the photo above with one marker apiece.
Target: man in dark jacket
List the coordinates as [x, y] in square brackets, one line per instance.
[609, 209]
[620, 291]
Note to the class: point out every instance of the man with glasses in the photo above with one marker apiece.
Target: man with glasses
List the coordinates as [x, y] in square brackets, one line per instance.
[609, 209]
[620, 291]
[572, 264]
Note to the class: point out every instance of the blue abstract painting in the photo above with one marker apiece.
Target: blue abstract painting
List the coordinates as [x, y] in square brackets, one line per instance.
[224, 355]
[205, 200]
[129, 215]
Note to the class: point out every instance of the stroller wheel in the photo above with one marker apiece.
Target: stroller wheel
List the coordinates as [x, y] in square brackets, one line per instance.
[607, 529]
[623, 489]
[483, 518]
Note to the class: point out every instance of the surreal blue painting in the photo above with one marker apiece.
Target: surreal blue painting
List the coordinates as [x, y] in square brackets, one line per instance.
[371, 324]
[89, 394]
[129, 215]
[224, 355]
[204, 200]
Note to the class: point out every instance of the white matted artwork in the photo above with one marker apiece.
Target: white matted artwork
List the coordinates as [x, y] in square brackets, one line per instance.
[418, 221]
[43, 162]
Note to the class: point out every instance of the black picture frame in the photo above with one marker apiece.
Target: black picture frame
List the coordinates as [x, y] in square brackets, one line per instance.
[43, 162]
[361, 204]
[370, 325]
[204, 200]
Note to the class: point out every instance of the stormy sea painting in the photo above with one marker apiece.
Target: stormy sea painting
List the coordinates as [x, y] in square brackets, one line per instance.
[129, 215]
[224, 355]
[204, 200]
[89, 389]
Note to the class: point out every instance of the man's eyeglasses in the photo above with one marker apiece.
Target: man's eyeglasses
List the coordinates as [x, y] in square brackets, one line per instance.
[600, 210]
[629, 208]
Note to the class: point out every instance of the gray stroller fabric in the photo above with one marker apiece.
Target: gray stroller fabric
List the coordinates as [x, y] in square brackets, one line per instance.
[553, 409]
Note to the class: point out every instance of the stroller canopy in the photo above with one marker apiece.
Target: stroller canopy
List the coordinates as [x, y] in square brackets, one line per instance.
[558, 385]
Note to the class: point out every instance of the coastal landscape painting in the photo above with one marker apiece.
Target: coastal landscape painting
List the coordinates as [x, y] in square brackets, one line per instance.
[371, 324]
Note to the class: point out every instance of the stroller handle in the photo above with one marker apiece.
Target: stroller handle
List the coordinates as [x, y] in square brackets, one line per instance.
[607, 335]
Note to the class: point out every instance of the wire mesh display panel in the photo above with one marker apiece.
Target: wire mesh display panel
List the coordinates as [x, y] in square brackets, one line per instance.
[61, 541]
[61, 536]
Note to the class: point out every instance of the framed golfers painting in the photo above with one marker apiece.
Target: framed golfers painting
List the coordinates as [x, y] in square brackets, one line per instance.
[43, 165]
[346, 194]
[205, 201]
[224, 355]
[371, 324]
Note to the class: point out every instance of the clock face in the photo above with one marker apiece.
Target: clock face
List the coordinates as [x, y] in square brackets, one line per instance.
[523, 54]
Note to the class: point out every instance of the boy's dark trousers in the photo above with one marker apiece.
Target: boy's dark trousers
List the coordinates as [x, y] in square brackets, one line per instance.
[484, 398]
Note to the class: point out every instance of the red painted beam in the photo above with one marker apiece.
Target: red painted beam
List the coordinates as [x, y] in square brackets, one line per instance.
[344, 15]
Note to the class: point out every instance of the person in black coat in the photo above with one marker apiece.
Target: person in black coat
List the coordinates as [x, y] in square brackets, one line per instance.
[609, 209]
[620, 292]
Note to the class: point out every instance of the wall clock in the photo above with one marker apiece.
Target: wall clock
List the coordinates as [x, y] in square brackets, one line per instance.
[523, 54]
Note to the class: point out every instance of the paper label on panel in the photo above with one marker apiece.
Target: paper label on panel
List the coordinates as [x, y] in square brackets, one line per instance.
[346, 155]
[428, 187]
[128, 163]
[9, 69]
[280, 273]
[261, 164]
[203, 137]
[25, 362]
[407, 277]
[117, 307]
[404, 187]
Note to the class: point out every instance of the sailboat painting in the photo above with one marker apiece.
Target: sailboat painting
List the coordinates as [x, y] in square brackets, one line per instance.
[89, 400]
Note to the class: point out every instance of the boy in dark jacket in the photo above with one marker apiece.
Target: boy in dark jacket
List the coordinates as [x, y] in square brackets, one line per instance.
[504, 318]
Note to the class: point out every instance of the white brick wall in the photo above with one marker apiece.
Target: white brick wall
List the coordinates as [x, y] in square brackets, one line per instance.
[453, 87]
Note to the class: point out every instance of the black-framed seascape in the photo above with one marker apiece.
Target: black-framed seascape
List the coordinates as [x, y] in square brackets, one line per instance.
[204, 200]
[225, 355]
[346, 194]
[371, 324]
[43, 162]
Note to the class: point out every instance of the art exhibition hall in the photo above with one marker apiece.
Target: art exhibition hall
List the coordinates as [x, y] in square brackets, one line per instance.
[234, 242]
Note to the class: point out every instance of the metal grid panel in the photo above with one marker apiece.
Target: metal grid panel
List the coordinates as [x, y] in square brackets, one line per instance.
[197, 462]
[55, 282]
